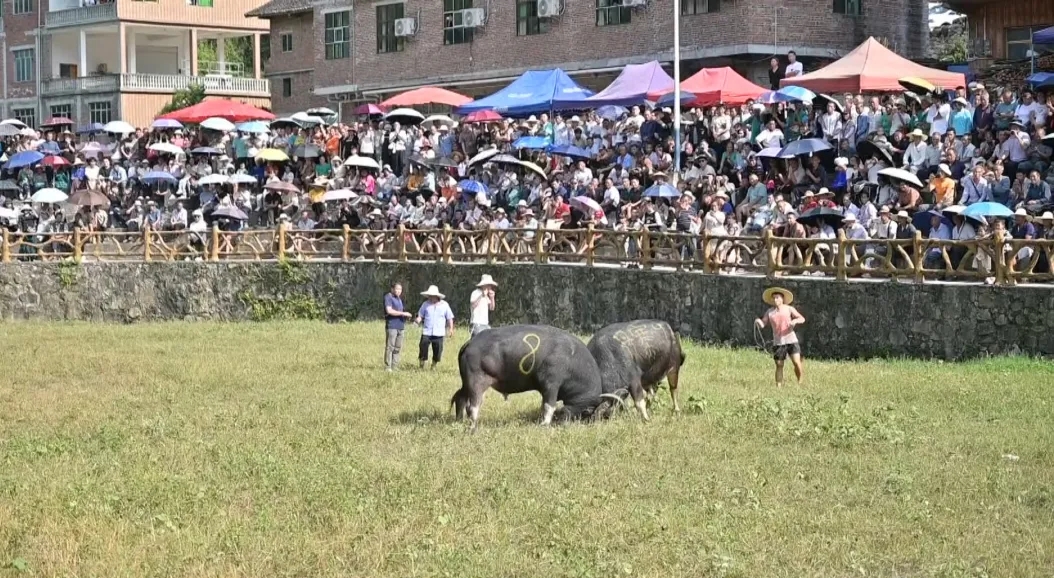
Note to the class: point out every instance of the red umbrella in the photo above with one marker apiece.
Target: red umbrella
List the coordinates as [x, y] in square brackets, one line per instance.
[222, 108]
[55, 161]
[427, 95]
[56, 121]
[369, 109]
[483, 116]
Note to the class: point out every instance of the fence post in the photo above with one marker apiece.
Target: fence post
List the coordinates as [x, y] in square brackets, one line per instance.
[539, 243]
[400, 243]
[645, 248]
[590, 245]
[345, 252]
[770, 251]
[5, 256]
[999, 259]
[840, 255]
[146, 242]
[78, 245]
[918, 256]
[448, 240]
[214, 249]
[492, 246]
[281, 241]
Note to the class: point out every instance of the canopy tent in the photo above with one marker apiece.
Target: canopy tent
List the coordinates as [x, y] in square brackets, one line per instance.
[1045, 36]
[426, 95]
[712, 86]
[1041, 79]
[534, 91]
[871, 67]
[219, 108]
[633, 86]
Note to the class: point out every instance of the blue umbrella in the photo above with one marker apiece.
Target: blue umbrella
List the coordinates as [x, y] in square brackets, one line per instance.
[921, 220]
[769, 153]
[772, 97]
[206, 151]
[90, 129]
[989, 209]
[805, 146]
[166, 123]
[472, 187]
[797, 93]
[252, 126]
[50, 146]
[530, 142]
[570, 151]
[156, 177]
[667, 99]
[24, 159]
[611, 112]
[662, 190]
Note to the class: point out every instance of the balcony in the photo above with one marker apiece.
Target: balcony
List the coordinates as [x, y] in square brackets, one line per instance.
[158, 83]
[81, 16]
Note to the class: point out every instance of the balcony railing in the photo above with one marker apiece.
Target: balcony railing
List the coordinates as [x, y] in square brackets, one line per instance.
[81, 16]
[165, 83]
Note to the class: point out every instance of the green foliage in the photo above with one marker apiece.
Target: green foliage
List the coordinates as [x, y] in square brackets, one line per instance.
[291, 300]
[183, 98]
[238, 51]
[68, 273]
[949, 42]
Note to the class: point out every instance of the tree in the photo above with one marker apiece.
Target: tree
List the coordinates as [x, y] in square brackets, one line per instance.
[189, 96]
[238, 51]
[948, 43]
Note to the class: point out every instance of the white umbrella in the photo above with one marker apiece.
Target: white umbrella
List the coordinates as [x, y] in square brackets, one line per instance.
[243, 179]
[213, 179]
[28, 132]
[483, 156]
[8, 129]
[49, 196]
[902, 175]
[440, 118]
[305, 118]
[6, 213]
[217, 124]
[339, 195]
[321, 111]
[118, 127]
[166, 148]
[13, 121]
[362, 162]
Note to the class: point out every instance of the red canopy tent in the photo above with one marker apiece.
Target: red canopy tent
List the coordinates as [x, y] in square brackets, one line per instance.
[220, 107]
[712, 86]
[871, 67]
[426, 95]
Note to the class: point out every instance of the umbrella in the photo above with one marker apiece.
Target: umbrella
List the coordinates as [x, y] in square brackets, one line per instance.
[611, 112]
[13, 122]
[405, 116]
[217, 124]
[585, 204]
[272, 155]
[921, 220]
[822, 100]
[230, 212]
[219, 107]
[118, 127]
[157, 177]
[866, 149]
[94, 149]
[166, 124]
[339, 195]
[6, 213]
[918, 85]
[206, 151]
[663, 191]
[902, 175]
[321, 111]
[483, 156]
[28, 132]
[471, 186]
[954, 210]
[427, 95]
[89, 198]
[56, 121]
[667, 99]
[362, 162]
[9, 185]
[772, 97]
[242, 179]
[769, 153]
[530, 142]
[285, 123]
[987, 209]
[91, 128]
[440, 118]
[832, 217]
[55, 161]
[445, 162]
[24, 159]
[307, 151]
[8, 130]
[368, 109]
[483, 116]
[50, 148]
[511, 160]
[798, 93]
[570, 151]
[281, 186]
[252, 127]
[805, 146]
[166, 148]
[1049, 137]
[305, 118]
[213, 179]
[49, 196]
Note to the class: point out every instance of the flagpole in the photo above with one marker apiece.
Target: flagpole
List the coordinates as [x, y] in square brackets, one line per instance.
[677, 88]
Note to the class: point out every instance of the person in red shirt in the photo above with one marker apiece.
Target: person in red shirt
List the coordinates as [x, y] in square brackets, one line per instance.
[782, 318]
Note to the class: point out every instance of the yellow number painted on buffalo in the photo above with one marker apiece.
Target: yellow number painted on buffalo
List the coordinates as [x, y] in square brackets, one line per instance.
[527, 362]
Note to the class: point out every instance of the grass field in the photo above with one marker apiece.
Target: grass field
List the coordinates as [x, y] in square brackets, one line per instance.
[267, 450]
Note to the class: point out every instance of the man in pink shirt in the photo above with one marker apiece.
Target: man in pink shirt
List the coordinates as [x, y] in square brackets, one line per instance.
[783, 319]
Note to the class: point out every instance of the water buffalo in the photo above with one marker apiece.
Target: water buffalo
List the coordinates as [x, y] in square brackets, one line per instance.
[520, 358]
[636, 355]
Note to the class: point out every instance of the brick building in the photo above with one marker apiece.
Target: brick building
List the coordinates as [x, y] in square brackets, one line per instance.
[95, 61]
[349, 52]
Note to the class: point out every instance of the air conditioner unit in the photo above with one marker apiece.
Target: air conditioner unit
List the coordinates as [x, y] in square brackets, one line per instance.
[634, 3]
[548, 8]
[405, 27]
[473, 17]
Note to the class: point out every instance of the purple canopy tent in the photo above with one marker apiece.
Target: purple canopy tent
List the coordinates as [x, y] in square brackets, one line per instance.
[631, 87]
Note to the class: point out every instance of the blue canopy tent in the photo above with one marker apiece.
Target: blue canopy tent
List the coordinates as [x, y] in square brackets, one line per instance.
[535, 91]
[1041, 79]
[1045, 36]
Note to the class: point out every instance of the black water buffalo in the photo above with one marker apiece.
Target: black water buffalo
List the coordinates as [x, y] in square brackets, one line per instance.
[520, 358]
[636, 355]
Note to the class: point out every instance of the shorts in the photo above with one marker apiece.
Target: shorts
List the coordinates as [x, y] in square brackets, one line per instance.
[477, 328]
[782, 351]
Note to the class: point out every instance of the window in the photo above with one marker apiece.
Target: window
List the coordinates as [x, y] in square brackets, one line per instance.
[68, 71]
[287, 42]
[338, 35]
[387, 41]
[265, 48]
[63, 110]
[201, 3]
[287, 87]
[690, 7]
[849, 7]
[22, 6]
[612, 12]
[527, 21]
[23, 65]
[28, 116]
[1019, 41]
[454, 31]
[100, 112]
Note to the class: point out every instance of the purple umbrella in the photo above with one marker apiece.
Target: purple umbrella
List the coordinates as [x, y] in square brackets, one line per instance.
[368, 109]
[230, 212]
[166, 123]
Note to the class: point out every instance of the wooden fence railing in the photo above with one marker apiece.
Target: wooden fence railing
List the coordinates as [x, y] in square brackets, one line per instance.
[916, 259]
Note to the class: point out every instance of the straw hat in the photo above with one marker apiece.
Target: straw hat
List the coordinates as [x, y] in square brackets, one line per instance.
[1022, 213]
[961, 101]
[918, 132]
[433, 291]
[1046, 216]
[808, 195]
[849, 218]
[903, 215]
[767, 296]
[944, 168]
[824, 191]
[486, 281]
[884, 210]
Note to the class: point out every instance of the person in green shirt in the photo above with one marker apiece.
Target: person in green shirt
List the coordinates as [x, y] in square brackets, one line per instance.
[39, 180]
[323, 168]
[62, 180]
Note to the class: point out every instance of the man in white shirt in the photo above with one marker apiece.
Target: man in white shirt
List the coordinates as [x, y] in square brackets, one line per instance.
[937, 116]
[915, 157]
[482, 303]
[794, 68]
[771, 136]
